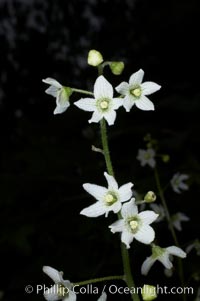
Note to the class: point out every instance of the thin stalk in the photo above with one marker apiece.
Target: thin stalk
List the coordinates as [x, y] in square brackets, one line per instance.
[101, 279]
[106, 151]
[124, 252]
[82, 91]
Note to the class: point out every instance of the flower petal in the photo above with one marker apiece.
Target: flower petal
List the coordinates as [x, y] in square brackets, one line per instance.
[125, 192]
[117, 103]
[147, 264]
[52, 82]
[112, 184]
[127, 238]
[164, 259]
[94, 210]
[116, 207]
[110, 116]
[149, 88]
[52, 91]
[128, 102]
[173, 250]
[70, 297]
[183, 177]
[136, 78]
[152, 162]
[51, 294]
[60, 110]
[96, 117]
[144, 104]
[103, 297]
[54, 274]
[148, 216]
[98, 192]
[86, 104]
[129, 209]
[117, 226]
[102, 88]
[145, 234]
[183, 186]
[123, 88]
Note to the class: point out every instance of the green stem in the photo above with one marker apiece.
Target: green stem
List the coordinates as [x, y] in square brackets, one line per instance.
[81, 91]
[106, 151]
[101, 279]
[127, 272]
[125, 255]
[169, 220]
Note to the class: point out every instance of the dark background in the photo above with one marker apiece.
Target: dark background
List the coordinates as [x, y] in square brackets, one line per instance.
[45, 159]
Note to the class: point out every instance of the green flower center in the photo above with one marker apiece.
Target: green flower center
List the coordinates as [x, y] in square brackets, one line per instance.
[103, 104]
[147, 156]
[157, 251]
[133, 224]
[61, 291]
[137, 91]
[110, 198]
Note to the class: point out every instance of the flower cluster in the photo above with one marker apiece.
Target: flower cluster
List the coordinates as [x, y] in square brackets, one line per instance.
[104, 104]
[132, 222]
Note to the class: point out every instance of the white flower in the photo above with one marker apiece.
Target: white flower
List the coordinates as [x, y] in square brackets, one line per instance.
[103, 105]
[103, 297]
[134, 224]
[62, 290]
[61, 94]
[177, 182]
[158, 208]
[162, 255]
[195, 245]
[178, 218]
[135, 92]
[147, 157]
[108, 199]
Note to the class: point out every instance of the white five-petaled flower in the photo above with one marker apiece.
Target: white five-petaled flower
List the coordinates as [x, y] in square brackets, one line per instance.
[61, 94]
[61, 290]
[177, 182]
[134, 224]
[108, 199]
[162, 255]
[103, 105]
[178, 218]
[147, 157]
[135, 92]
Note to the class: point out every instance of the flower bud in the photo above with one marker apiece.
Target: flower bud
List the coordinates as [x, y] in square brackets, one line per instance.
[148, 292]
[150, 197]
[165, 158]
[117, 67]
[95, 58]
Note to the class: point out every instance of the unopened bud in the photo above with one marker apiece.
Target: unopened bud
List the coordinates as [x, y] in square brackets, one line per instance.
[165, 158]
[148, 292]
[150, 197]
[95, 58]
[117, 67]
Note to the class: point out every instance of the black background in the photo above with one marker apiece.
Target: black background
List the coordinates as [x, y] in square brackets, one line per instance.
[45, 159]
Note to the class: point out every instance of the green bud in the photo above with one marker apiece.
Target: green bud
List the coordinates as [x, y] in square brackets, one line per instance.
[148, 292]
[117, 67]
[150, 197]
[165, 158]
[95, 58]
